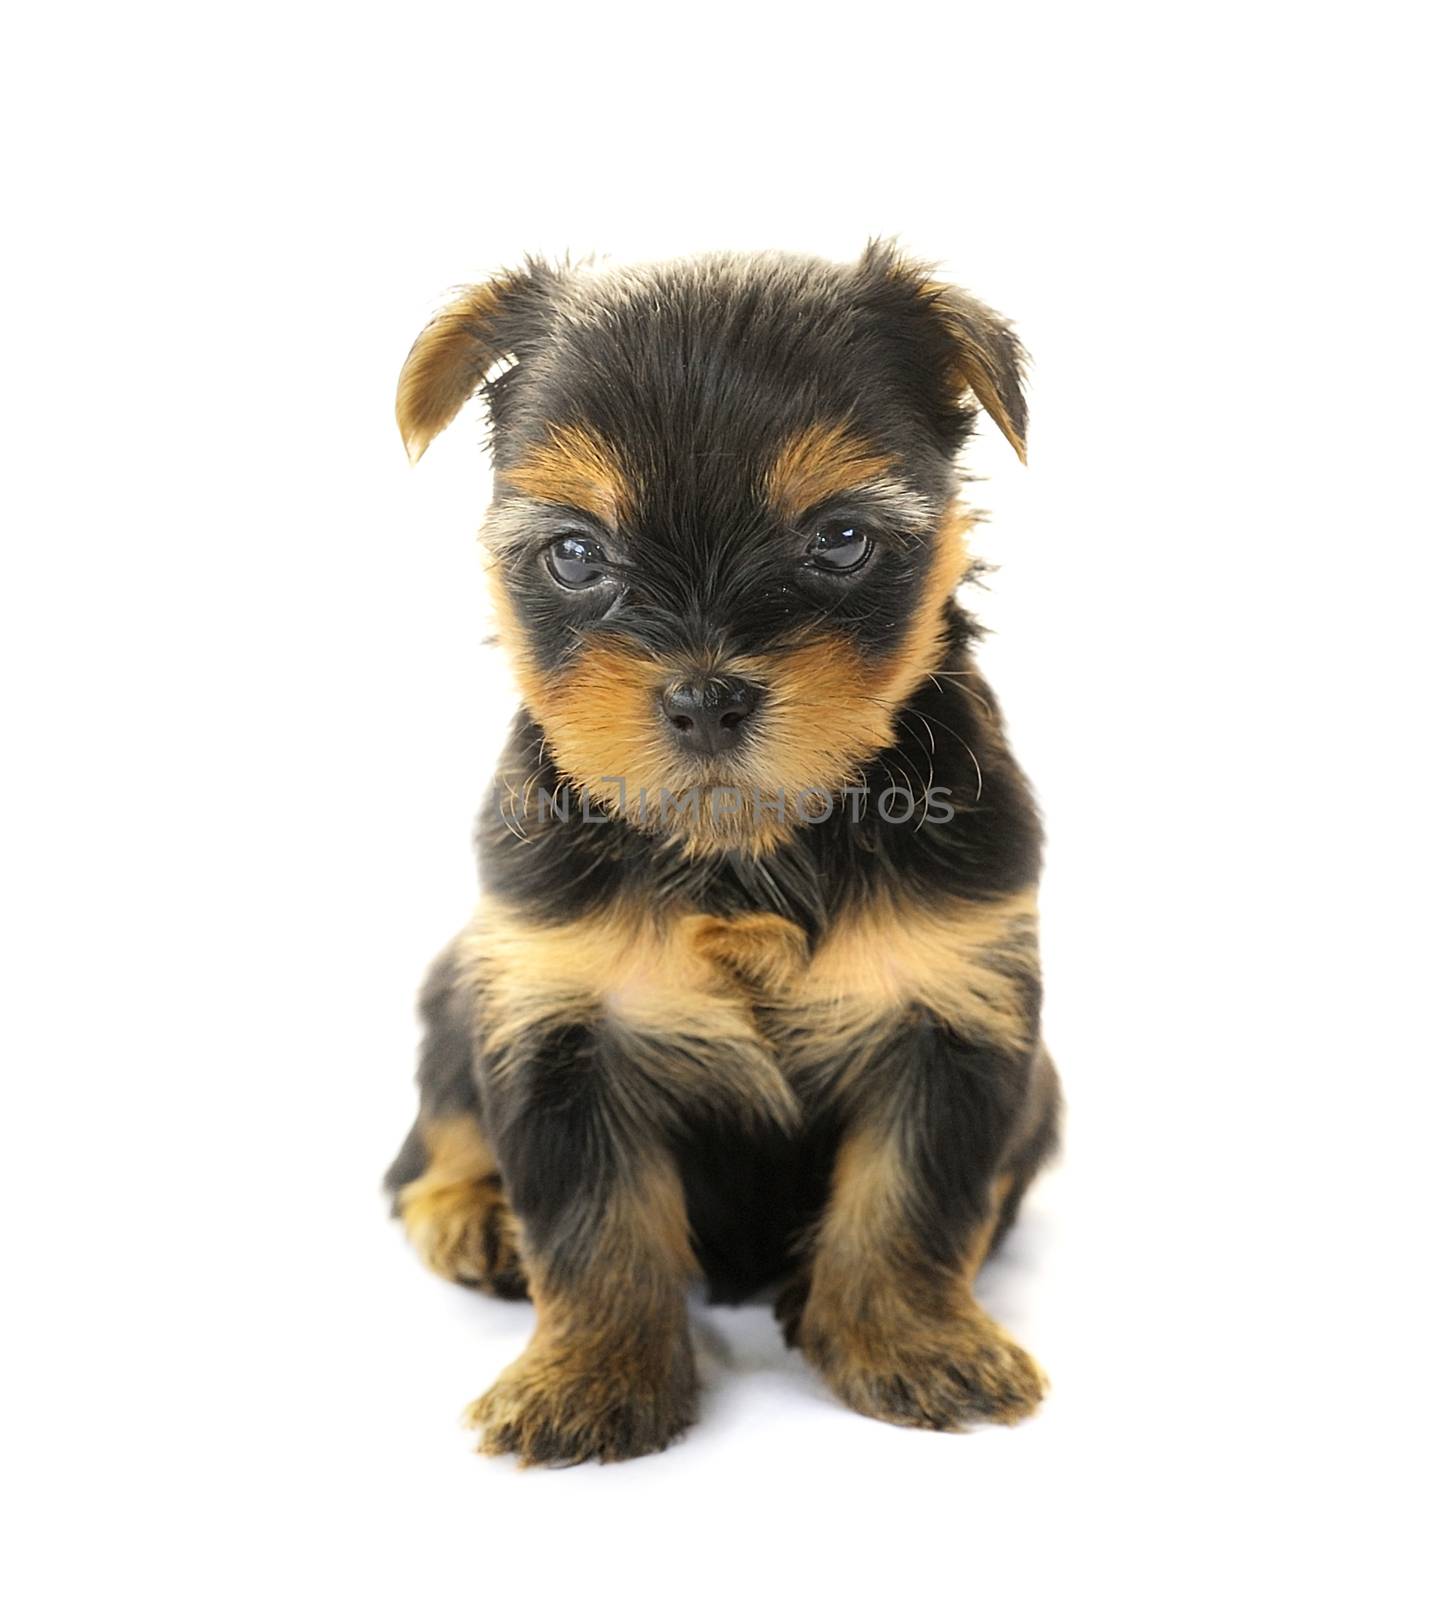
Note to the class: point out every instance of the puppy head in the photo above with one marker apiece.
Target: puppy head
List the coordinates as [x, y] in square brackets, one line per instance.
[724, 538]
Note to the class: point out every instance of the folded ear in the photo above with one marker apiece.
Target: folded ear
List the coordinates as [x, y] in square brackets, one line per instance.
[484, 325]
[979, 353]
[989, 359]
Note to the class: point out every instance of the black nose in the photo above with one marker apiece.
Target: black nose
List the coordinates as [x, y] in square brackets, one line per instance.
[707, 715]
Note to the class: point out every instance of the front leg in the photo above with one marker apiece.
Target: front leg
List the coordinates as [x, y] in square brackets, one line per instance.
[889, 1316]
[610, 1371]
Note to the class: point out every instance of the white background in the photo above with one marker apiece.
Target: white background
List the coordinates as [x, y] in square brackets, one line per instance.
[250, 714]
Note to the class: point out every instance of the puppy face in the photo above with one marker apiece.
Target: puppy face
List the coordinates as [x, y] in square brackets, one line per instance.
[723, 536]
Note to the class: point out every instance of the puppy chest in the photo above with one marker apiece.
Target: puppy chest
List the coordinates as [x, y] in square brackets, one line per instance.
[740, 1007]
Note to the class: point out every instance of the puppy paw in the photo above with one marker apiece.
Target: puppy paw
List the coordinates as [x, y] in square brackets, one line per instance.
[945, 1378]
[557, 1406]
[466, 1232]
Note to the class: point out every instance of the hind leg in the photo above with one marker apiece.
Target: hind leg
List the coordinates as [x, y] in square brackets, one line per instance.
[1036, 1146]
[455, 1212]
[445, 1182]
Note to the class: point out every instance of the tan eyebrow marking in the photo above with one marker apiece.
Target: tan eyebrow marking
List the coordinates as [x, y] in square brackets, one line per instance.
[575, 467]
[819, 462]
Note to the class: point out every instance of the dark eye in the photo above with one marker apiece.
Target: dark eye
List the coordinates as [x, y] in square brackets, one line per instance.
[576, 561]
[840, 547]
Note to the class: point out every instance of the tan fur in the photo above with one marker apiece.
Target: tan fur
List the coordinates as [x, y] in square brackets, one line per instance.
[964, 963]
[762, 950]
[681, 989]
[610, 1365]
[575, 467]
[662, 987]
[445, 366]
[818, 463]
[455, 1214]
[827, 711]
[642, 1247]
[977, 1248]
[894, 1336]
[963, 318]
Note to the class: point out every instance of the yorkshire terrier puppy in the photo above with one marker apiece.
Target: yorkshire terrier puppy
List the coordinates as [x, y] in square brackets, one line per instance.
[752, 993]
